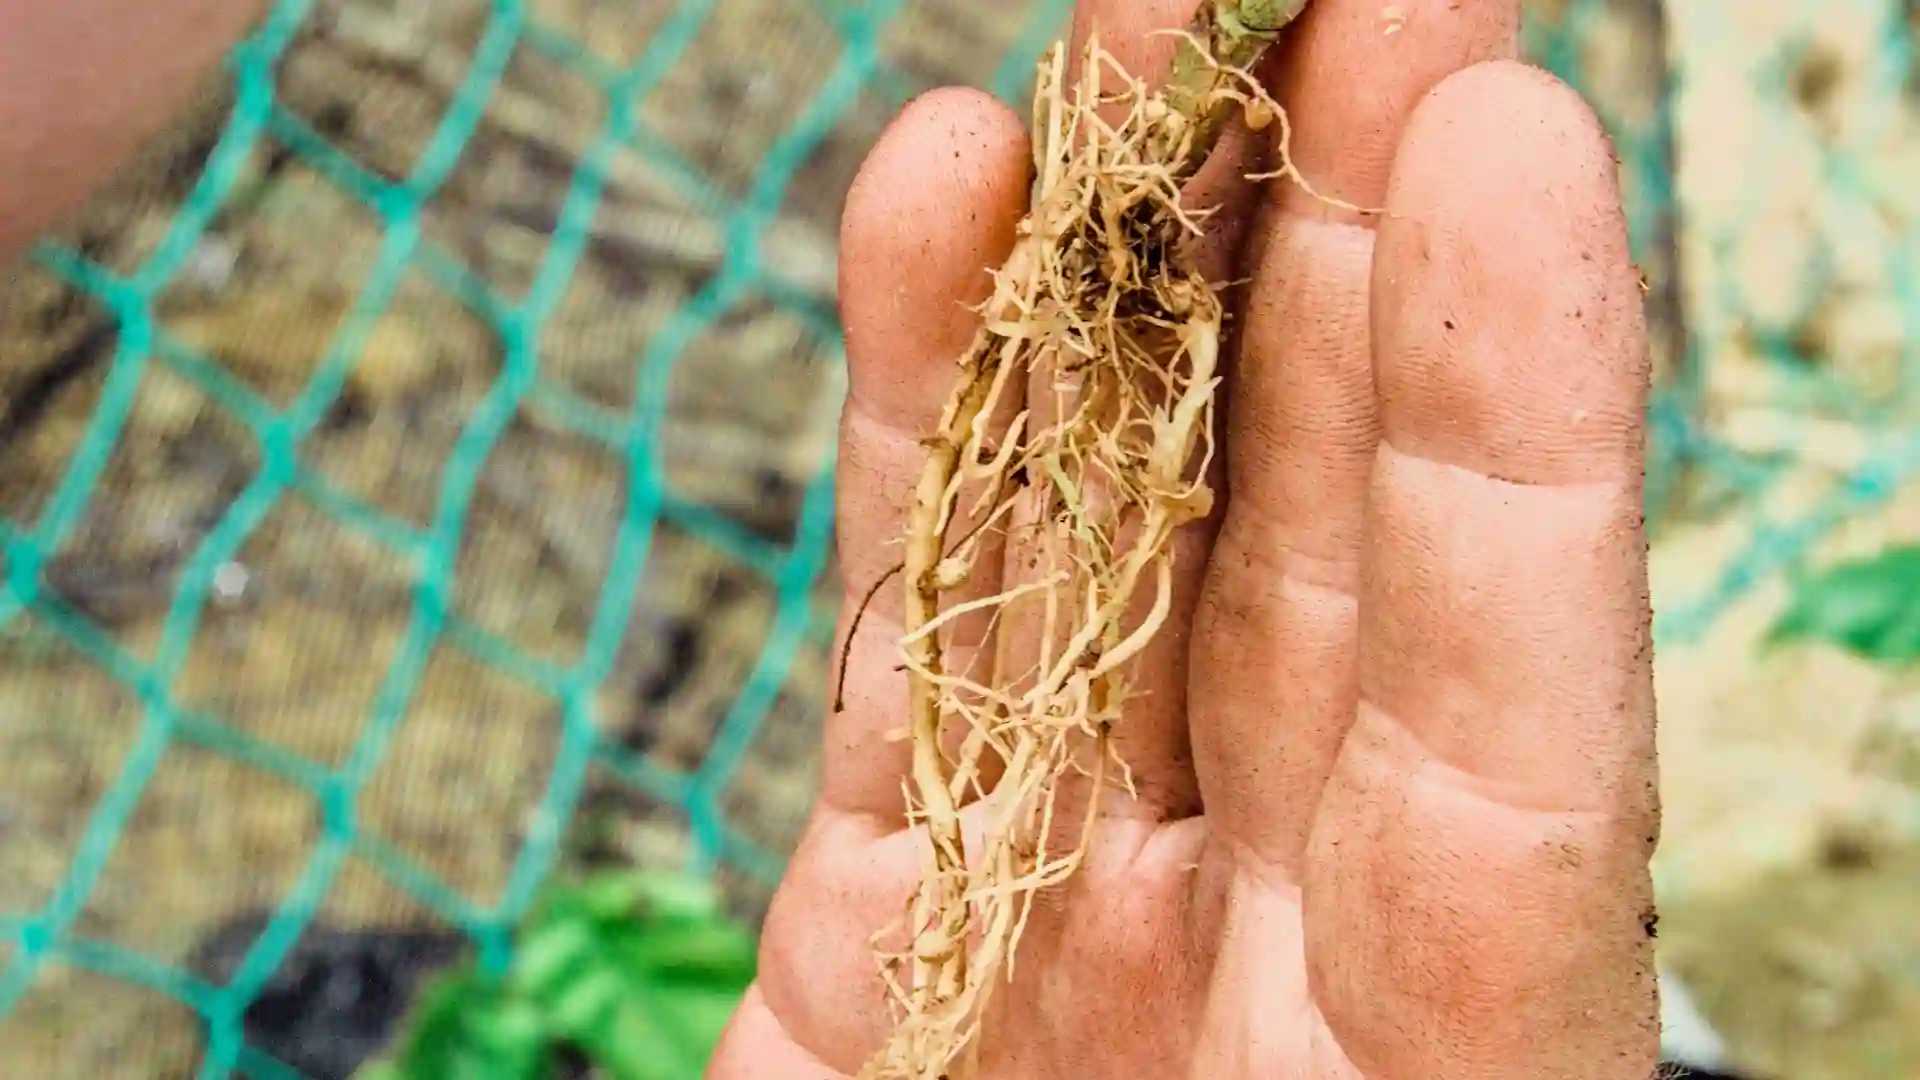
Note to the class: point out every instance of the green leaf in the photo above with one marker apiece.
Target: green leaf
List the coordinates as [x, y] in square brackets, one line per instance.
[637, 971]
[515, 1031]
[672, 896]
[702, 1012]
[463, 1028]
[612, 897]
[551, 954]
[586, 1002]
[643, 1041]
[711, 950]
[1870, 607]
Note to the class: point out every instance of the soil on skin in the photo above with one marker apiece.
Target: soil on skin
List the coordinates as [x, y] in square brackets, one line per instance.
[1790, 853]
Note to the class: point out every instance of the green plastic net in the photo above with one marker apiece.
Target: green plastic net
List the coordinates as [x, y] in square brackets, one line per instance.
[408, 521]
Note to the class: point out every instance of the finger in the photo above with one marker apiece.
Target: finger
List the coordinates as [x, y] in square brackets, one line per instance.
[932, 211]
[1477, 882]
[1352, 71]
[756, 1044]
[1275, 635]
[83, 83]
[851, 876]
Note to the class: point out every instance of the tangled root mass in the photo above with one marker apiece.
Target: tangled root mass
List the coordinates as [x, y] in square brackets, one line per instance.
[1102, 340]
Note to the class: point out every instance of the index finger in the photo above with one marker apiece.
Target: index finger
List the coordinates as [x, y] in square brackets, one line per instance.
[931, 213]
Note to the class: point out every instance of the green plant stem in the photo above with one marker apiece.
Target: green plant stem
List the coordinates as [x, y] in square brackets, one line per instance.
[1234, 34]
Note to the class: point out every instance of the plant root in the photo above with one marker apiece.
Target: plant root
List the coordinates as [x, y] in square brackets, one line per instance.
[1100, 319]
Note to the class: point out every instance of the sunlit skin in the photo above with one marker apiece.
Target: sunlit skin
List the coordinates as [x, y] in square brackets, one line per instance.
[1395, 754]
[83, 83]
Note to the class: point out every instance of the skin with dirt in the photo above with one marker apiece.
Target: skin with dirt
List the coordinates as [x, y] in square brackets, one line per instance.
[1805, 981]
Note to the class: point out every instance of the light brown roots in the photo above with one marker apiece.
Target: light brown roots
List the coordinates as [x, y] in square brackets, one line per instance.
[1101, 321]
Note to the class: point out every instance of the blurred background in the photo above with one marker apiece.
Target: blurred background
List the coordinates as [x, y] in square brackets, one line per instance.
[415, 496]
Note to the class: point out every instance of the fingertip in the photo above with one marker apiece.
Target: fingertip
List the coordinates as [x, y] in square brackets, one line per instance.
[1518, 114]
[1508, 316]
[931, 212]
[1351, 71]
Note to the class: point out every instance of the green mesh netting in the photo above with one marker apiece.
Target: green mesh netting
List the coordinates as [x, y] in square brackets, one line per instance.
[1694, 463]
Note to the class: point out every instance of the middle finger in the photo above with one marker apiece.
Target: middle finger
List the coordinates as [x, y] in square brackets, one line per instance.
[1276, 633]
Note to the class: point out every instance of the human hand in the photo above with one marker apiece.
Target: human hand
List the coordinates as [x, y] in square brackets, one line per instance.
[83, 83]
[1395, 751]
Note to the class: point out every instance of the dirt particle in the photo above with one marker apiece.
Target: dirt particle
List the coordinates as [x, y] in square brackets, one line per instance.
[1846, 849]
[1816, 76]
